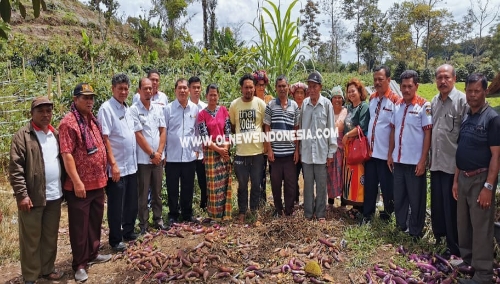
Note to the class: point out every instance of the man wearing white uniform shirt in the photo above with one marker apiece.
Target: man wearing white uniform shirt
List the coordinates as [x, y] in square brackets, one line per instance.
[119, 139]
[157, 97]
[149, 127]
[194, 84]
[35, 173]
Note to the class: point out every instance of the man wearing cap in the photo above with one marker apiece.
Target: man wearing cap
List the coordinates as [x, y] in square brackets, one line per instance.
[316, 115]
[119, 137]
[475, 180]
[84, 155]
[381, 104]
[282, 115]
[35, 174]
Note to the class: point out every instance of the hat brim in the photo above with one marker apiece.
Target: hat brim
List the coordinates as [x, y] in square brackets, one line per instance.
[85, 94]
[43, 103]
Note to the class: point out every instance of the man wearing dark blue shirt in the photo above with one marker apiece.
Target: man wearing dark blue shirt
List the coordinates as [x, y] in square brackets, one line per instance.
[477, 159]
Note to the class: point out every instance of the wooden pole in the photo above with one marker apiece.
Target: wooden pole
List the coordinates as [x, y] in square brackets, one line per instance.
[49, 87]
[24, 78]
[58, 85]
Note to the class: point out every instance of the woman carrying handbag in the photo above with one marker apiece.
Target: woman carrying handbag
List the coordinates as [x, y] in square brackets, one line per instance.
[358, 117]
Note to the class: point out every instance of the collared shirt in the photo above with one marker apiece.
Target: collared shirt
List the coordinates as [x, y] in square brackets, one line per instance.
[159, 98]
[410, 122]
[180, 123]
[478, 133]
[149, 123]
[52, 166]
[118, 125]
[201, 106]
[280, 119]
[247, 118]
[90, 168]
[379, 127]
[446, 122]
[315, 119]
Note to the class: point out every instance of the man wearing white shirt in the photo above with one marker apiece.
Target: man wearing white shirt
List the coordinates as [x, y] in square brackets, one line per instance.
[35, 173]
[194, 84]
[119, 139]
[157, 97]
[149, 127]
[180, 121]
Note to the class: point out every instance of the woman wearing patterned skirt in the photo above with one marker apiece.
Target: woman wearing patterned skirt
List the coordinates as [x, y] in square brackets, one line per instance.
[335, 181]
[213, 123]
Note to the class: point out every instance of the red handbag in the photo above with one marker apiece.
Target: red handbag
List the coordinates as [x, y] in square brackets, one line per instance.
[358, 150]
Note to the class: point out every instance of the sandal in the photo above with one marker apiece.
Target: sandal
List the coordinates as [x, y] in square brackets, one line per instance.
[54, 275]
[322, 220]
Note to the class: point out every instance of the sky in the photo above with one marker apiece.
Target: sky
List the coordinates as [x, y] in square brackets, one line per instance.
[231, 12]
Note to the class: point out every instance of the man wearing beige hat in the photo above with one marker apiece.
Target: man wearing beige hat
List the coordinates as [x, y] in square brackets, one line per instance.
[35, 174]
[84, 154]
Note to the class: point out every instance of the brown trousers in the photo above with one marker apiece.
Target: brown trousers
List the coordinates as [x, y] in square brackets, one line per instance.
[38, 231]
[85, 220]
[149, 176]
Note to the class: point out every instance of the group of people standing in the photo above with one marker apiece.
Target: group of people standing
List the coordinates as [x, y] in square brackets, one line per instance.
[124, 150]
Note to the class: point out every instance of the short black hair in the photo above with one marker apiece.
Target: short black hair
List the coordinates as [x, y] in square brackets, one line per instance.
[153, 71]
[178, 81]
[476, 77]
[141, 80]
[386, 69]
[120, 78]
[212, 87]
[281, 78]
[409, 74]
[245, 77]
[194, 79]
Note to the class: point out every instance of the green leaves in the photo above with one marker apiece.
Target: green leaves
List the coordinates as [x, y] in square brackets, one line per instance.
[5, 10]
[279, 53]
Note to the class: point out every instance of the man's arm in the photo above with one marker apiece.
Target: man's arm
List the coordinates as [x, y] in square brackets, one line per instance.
[390, 162]
[70, 166]
[115, 170]
[420, 169]
[267, 144]
[17, 173]
[332, 141]
[454, 188]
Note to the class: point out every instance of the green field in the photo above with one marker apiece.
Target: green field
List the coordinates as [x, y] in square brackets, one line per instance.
[428, 91]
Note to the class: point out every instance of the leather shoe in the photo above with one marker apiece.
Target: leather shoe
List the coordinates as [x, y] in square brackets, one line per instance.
[81, 275]
[192, 220]
[130, 237]
[162, 227]
[101, 258]
[54, 275]
[171, 221]
[119, 247]
[143, 231]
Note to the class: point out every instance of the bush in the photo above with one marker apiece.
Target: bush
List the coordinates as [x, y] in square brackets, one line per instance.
[462, 74]
[426, 76]
[400, 68]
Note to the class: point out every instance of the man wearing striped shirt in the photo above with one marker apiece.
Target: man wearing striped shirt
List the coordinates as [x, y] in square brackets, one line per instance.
[282, 116]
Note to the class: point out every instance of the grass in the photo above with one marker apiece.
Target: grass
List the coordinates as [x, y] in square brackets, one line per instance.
[428, 91]
[9, 238]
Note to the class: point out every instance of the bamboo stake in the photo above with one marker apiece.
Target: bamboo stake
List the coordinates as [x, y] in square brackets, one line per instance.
[24, 78]
[49, 87]
[58, 78]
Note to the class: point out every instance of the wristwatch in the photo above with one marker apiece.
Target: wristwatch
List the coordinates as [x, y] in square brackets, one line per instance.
[152, 155]
[488, 185]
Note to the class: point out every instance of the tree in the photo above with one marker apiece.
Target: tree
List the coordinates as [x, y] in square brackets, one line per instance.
[494, 47]
[311, 32]
[6, 12]
[278, 54]
[171, 13]
[337, 32]
[479, 17]
[209, 22]
[108, 14]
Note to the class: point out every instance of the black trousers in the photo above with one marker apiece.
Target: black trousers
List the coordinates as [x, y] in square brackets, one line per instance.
[283, 174]
[377, 171]
[444, 210]
[122, 207]
[410, 191]
[202, 182]
[298, 167]
[183, 172]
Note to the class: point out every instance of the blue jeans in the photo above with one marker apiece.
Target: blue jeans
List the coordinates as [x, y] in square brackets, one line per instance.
[245, 168]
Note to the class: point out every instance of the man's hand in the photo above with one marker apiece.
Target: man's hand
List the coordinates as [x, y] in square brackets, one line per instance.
[157, 159]
[420, 168]
[25, 204]
[454, 190]
[390, 164]
[296, 157]
[484, 198]
[79, 189]
[270, 155]
[115, 172]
